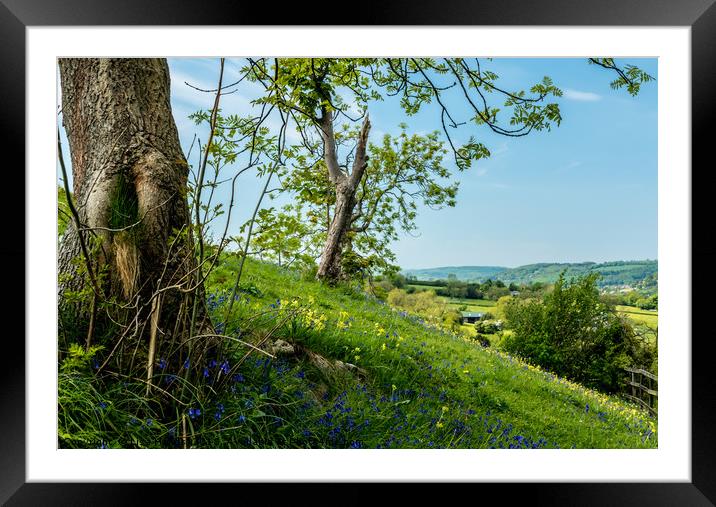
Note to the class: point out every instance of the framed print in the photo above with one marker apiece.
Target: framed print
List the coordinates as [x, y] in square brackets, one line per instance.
[659, 53]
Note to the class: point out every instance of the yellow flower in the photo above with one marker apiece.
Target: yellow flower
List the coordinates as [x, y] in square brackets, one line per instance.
[445, 409]
[466, 371]
[383, 347]
[439, 425]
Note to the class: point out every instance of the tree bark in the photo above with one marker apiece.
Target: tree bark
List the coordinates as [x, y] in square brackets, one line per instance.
[330, 268]
[129, 185]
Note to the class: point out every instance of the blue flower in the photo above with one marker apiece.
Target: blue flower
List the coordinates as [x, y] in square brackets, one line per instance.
[102, 405]
[194, 412]
[242, 418]
[238, 377]
[186, 364]
[355, 445]
[162, 364]
[149, 422]
[301, 374]
[586, 409]
[206, 372]
[225, 367]
[212, 363]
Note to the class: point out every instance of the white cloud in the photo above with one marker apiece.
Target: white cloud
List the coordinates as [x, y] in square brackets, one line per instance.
[500, 149]
[581, 96]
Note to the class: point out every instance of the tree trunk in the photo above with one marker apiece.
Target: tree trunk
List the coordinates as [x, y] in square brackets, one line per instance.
[329, 268]
[129, 185]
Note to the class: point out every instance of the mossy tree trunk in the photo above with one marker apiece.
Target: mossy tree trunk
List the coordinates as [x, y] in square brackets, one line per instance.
[130, 191]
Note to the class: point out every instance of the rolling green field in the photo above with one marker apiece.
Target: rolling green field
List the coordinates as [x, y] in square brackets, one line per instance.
[640, 316]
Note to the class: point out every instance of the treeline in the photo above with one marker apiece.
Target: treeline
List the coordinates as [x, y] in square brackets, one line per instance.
[454, 288]
[642, 275]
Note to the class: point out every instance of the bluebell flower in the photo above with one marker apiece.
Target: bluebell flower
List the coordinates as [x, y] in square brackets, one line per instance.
[225, 367]
[238, 377]
[355, 445]
[194, 412]
[102, 405]
[162, 364]
[186, 364]
[212, 363]
[242, 418]
[149, 422]
[301, 374]
[206, 372]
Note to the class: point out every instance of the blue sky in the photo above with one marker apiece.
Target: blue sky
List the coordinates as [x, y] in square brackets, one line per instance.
[586, 191]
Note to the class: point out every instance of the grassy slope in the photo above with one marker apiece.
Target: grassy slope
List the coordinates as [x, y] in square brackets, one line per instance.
[426, 388]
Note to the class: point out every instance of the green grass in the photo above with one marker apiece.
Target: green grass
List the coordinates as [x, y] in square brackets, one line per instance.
[425, 376]
[417, 387]
[640, 316]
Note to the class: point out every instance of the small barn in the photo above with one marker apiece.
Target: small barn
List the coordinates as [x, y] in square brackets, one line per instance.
[470, 317]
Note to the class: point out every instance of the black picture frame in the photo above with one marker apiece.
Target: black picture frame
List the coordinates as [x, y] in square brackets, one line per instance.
[700, 15]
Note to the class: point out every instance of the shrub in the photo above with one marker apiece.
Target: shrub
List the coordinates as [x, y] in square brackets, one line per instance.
[573, 333]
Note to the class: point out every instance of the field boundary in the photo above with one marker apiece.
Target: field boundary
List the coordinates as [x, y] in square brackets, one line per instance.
[644, 389]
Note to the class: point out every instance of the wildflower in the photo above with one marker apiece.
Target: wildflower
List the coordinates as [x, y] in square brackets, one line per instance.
[301, 374]
[162, 364]
[586, 409]
[186, 364]
[238, 377]
[383, 347]
[212, 363]
[355, 445]
[149, 422]
[102, 405]
[445, 408]
[206, 372]
[194, 412]
[225, 367]
[242, 418]
[439, 425]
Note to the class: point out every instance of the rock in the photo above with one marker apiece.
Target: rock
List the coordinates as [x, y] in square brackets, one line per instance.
[282, 348]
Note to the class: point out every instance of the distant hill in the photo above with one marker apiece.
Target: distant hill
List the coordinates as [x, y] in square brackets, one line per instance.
[634, 273]
[465, 273]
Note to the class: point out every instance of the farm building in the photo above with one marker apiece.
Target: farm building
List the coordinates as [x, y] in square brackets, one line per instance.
[470, 317]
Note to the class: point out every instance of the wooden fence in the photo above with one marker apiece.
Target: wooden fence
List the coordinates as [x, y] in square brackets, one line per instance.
[642, 388]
